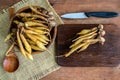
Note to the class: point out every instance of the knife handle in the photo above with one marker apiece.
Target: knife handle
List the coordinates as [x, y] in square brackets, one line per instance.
[102, 14]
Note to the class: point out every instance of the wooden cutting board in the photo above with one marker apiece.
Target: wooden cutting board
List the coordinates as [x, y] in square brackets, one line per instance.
[96, 54]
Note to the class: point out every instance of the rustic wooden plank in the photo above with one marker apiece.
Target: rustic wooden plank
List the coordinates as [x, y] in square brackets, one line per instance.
[82, 73]
[67, 7]
[86, 73]
[7, 3]
[83, 1]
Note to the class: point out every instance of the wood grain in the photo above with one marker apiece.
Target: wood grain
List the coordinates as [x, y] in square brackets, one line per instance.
[86, 73]
[96, 55]
[63, 6]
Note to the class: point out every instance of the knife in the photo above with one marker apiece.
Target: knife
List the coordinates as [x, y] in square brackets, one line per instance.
[82, 15]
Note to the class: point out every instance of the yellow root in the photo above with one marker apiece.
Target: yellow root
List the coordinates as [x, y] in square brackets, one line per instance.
[8, 37]
[25, 43]
[10, 48]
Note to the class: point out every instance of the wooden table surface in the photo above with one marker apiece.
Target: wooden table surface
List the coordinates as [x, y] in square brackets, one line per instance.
[64, 6]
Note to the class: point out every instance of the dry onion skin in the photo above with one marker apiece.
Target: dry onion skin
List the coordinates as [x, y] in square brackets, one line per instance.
[30, 30]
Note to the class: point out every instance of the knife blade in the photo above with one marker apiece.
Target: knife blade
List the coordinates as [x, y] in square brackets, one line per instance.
[82, 15]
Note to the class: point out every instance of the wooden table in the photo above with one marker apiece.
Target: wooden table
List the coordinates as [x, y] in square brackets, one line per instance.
[64, 6]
